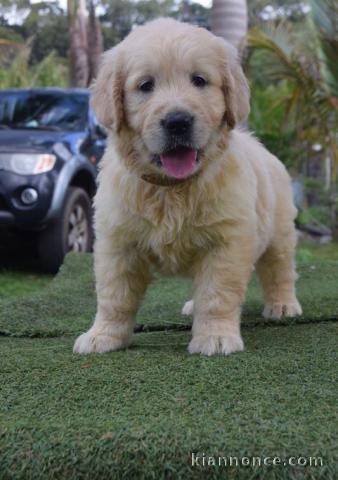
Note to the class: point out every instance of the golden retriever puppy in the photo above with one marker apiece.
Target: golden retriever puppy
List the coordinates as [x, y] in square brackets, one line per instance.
[182, 191]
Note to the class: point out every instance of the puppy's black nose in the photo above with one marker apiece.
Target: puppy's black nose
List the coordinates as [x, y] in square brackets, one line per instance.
[177, 123]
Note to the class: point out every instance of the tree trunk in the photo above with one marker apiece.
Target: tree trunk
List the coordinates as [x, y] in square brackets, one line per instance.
[78, 49]
[229, 19]
[95, 43]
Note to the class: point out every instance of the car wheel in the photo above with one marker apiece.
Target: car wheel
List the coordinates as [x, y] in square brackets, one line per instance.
[71, 232]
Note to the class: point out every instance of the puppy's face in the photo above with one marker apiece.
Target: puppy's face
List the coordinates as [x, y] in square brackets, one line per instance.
[170, 90]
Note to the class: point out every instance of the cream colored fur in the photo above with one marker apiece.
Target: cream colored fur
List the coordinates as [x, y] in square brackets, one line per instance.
[235, 213]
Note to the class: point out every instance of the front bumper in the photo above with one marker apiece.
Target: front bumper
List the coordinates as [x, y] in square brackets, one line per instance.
[13, 212]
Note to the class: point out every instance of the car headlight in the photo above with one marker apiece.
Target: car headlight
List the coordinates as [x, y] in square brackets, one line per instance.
[27, 163]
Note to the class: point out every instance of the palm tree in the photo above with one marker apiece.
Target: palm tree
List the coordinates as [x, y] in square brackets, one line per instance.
[85, 42]
[309, 66]
[95, 42]
[77, 15]
[229, 19]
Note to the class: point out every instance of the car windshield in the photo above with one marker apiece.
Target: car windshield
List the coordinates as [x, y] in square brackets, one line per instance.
[43, 110]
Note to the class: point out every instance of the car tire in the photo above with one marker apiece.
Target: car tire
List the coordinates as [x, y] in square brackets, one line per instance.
[71, 231]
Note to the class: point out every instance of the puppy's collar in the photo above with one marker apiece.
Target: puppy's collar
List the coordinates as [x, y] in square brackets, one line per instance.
[164, 181]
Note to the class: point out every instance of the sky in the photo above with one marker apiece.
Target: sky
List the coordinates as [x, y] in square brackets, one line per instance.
[13, 16]
[63, 3]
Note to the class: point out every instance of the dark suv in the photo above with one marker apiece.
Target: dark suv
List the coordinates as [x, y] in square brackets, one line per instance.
[50, 144]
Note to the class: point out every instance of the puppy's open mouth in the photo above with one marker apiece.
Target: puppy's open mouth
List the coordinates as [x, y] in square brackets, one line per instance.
[179, 162]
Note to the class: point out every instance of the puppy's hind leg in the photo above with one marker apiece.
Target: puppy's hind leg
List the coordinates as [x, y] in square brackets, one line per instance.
[277, 274]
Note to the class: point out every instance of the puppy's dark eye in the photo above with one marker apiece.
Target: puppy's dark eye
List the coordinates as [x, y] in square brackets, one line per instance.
[147, 86]
[199, 81]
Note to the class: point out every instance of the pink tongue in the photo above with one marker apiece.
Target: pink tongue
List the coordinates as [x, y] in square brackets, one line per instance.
[179, 163]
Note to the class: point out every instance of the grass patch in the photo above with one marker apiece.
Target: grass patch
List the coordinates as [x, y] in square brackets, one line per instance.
[67, 306]
[17, 284]
[312, 252]
[140, 413]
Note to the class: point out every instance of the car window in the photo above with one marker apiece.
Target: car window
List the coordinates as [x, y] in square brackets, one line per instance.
[44, 111]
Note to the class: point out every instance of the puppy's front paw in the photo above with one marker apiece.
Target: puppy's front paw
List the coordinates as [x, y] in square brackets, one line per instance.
[97, 342]
[279, 310]
[212, 344]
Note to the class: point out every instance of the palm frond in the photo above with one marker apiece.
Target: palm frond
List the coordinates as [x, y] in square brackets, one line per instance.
[282, 61]
[325, 18]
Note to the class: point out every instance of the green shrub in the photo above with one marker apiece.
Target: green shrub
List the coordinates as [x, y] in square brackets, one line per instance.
[318, 214]
[51, 71]
[267, 121]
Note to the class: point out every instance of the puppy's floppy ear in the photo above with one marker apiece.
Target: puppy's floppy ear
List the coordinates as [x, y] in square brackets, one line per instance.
[107, 91]
[235, 86]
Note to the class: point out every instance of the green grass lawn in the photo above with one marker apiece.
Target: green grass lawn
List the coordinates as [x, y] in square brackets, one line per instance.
[312, 252]
[20, 283]
[15, 283]
[142, 412]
